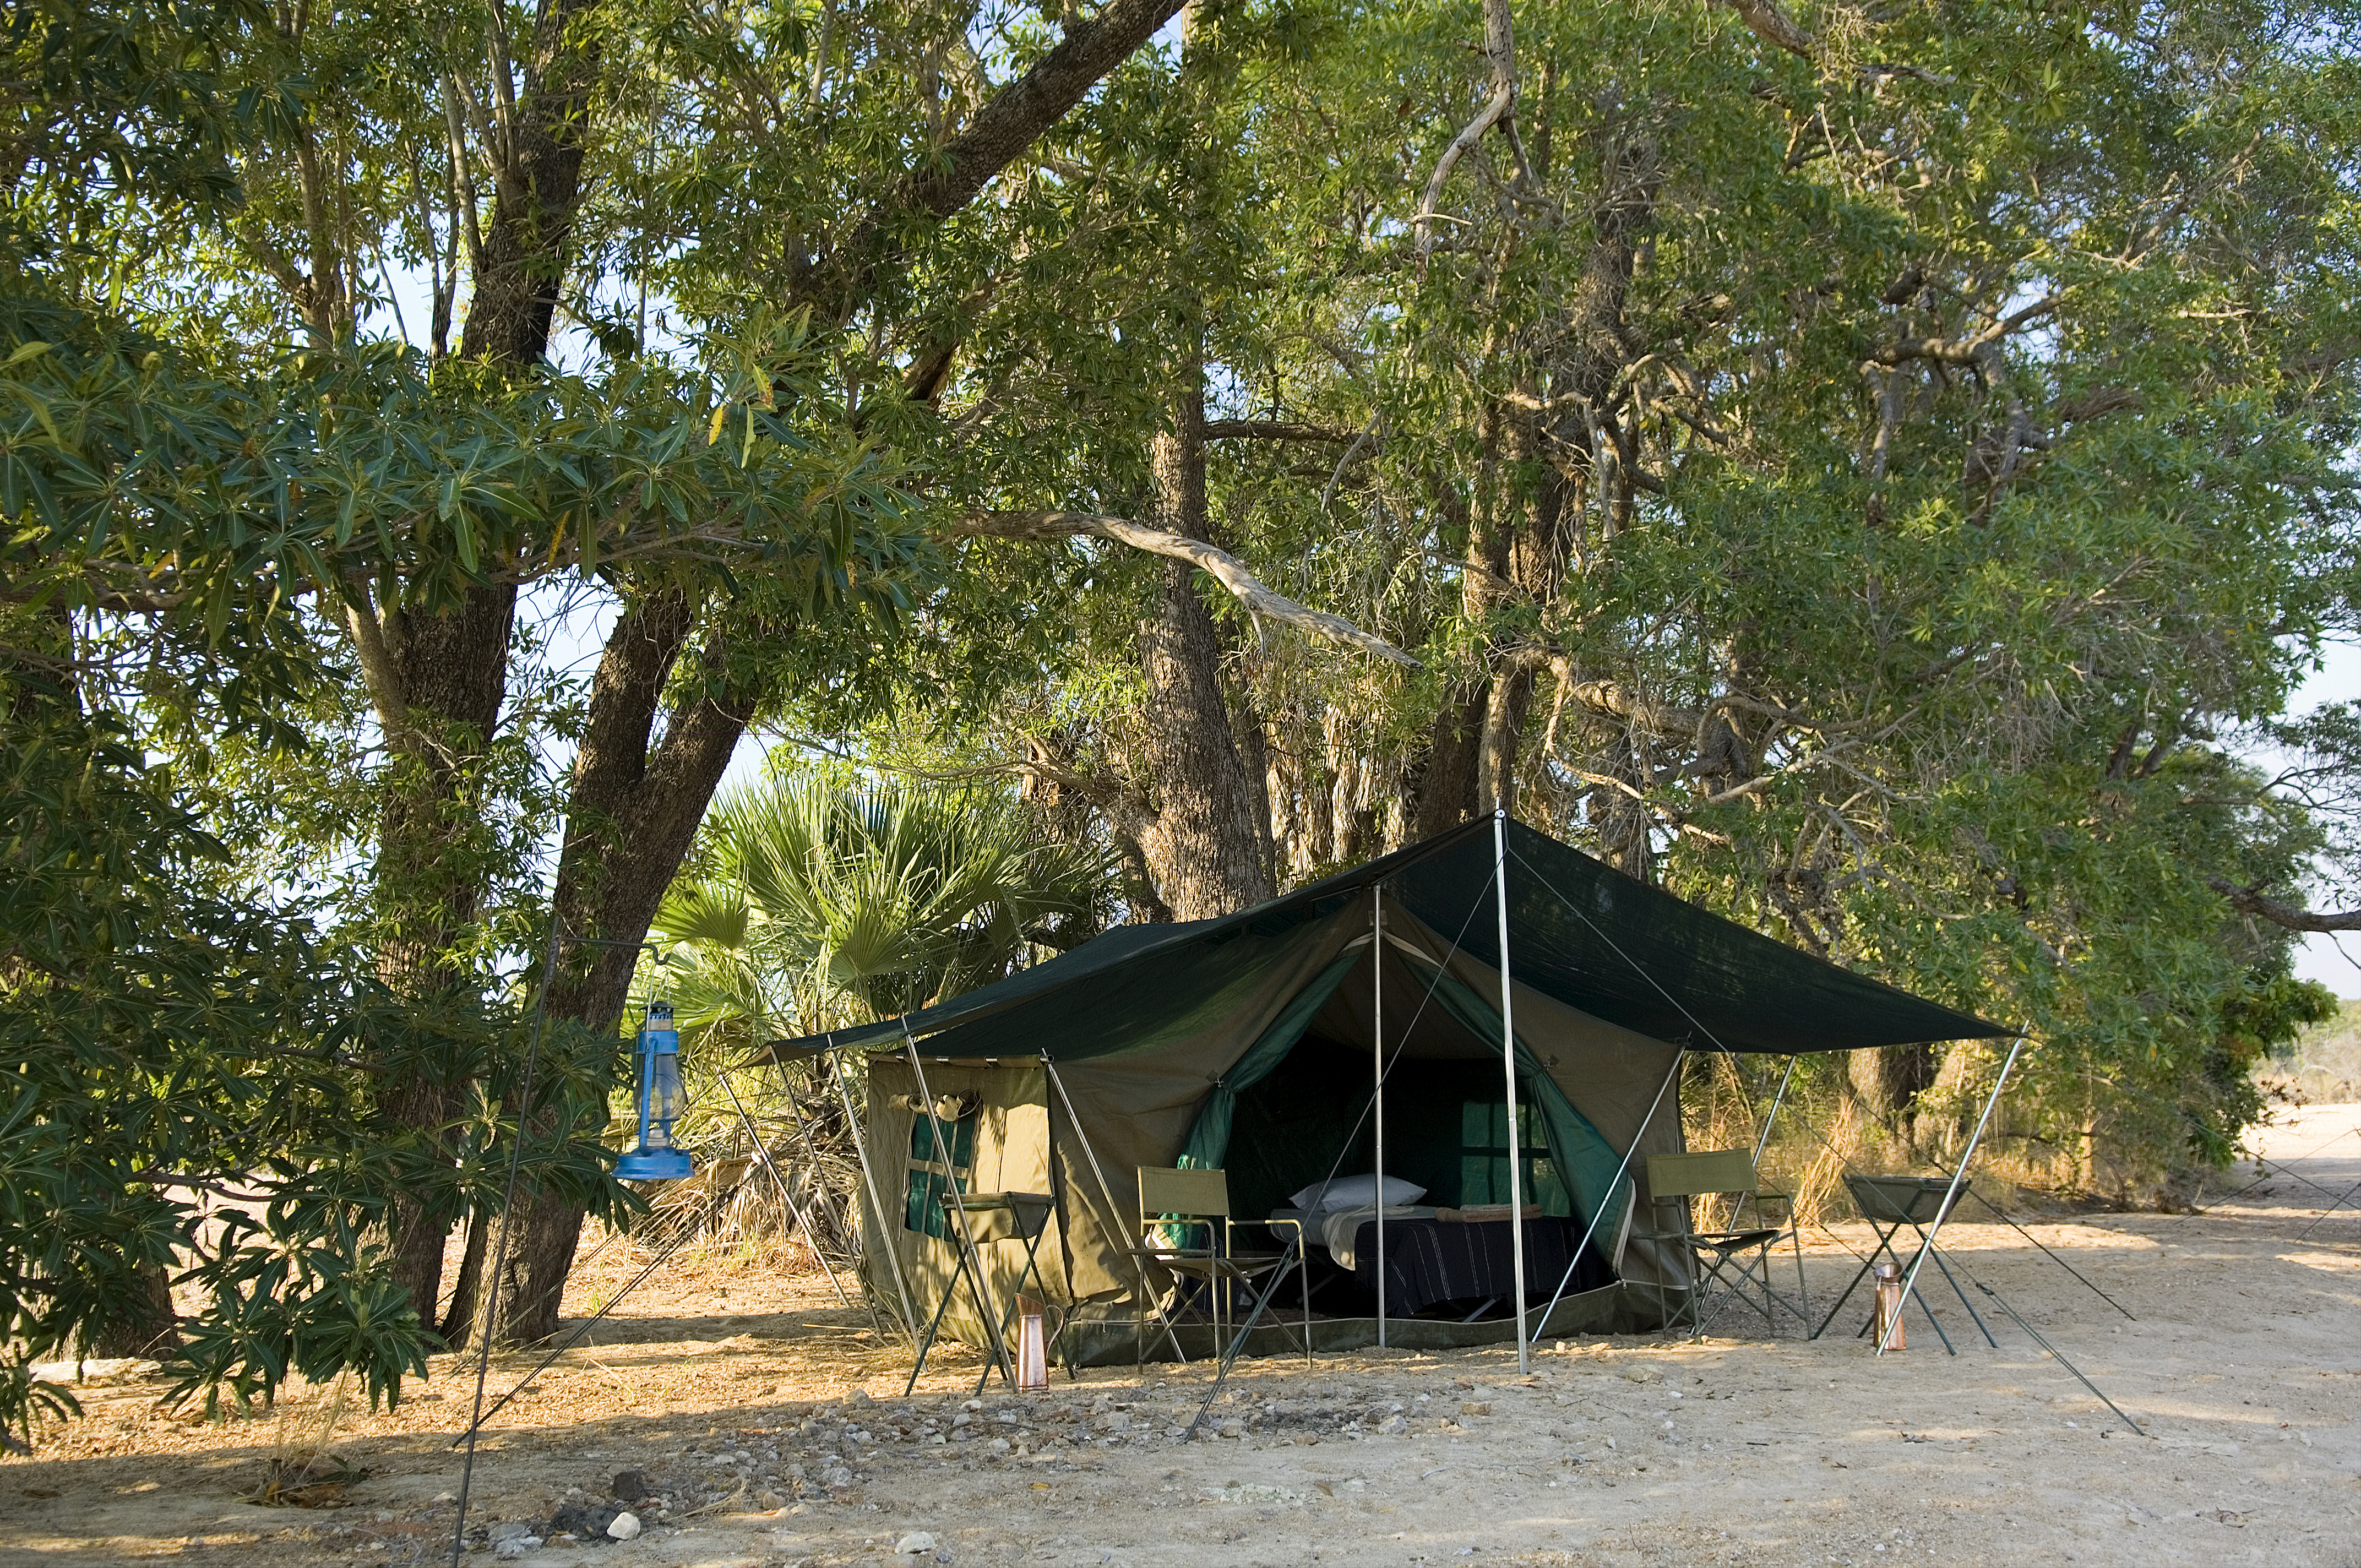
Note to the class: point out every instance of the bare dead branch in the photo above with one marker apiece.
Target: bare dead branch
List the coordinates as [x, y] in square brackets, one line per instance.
[1500, 52]
[1220, 564]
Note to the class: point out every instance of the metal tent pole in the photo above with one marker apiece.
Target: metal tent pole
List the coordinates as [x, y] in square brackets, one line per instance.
[1771, 1118]
[876, 1204]
[1959, 1175]
[1508, 1073]
[970, 1255]
[1115, 1213]
[1679, 1056]
[763, 1158]
[1378, 1059]
[1795, 1236]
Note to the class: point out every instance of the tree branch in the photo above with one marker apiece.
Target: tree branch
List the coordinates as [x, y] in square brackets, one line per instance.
[1223, 566]
[2247, 901]
[1014, 118]
[1275, 430]
[1500, 51]
[1772, 26]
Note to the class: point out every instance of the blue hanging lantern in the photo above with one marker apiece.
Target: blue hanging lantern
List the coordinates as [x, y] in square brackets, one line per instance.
[660, 1102]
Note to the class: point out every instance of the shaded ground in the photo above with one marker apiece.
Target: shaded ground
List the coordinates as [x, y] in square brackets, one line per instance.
[727, 1388]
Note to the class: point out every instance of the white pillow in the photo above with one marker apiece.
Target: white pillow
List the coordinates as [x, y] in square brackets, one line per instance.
[1355, 1193]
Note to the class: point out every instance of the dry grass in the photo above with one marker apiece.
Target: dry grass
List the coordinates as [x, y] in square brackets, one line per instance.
[2324, 1066]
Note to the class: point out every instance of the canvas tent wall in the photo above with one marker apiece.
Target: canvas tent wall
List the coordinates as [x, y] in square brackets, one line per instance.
[1149, 1044]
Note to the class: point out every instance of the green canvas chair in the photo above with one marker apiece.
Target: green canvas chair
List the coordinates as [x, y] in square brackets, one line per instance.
[1180, 1201]
[1731, 1264]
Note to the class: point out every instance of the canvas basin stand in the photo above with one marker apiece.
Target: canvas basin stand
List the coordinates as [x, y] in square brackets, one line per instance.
[997, 1217]
[1888, 1203]
[1184, 1200]
[1733, 1264]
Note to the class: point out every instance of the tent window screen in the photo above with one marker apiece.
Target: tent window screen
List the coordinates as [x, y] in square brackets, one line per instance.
[931, 1177]
[1484, 1155]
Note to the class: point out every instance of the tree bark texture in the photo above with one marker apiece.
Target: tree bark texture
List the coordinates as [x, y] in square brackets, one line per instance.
[1203, 841]
[452, 667]
[452, 673]
[635, 806]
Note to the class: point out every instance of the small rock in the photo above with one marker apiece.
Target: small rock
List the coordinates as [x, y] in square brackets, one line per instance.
[915, 1543]
[623, 1527]
[516, 1546]
[837, 1480]
[509, 1529]
[629, 1486]
[1393, 1426]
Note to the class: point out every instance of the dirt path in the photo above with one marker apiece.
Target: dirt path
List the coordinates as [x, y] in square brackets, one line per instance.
[726, 1388]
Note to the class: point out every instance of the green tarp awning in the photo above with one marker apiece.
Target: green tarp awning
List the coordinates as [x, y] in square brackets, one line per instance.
[1579, 931]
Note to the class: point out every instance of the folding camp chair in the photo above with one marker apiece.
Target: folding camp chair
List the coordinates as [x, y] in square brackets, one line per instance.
[1888, 1203]
[1174, 1201]
[1730, 1263]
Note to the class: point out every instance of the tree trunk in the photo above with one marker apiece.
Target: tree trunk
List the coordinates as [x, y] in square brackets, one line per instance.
[633, 811]
[142, 1324]
[453, 674]
[1446, 783]
[1202, 842]
[451, 669]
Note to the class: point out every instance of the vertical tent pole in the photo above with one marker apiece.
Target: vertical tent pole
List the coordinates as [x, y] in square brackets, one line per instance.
[876, 1204]
[1508, 1073]
[1377, 1056]
[970, 1255]
[1959, 1175]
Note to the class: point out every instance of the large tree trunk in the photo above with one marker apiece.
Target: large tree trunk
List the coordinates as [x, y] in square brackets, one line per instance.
[1206, 840]
[448, 673]
[142, 1324]
[633, 811]
[453, 674]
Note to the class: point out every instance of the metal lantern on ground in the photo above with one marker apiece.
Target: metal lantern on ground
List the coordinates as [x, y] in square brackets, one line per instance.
[661, 1102]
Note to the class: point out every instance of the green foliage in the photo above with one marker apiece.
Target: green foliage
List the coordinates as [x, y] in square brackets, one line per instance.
[811, 903]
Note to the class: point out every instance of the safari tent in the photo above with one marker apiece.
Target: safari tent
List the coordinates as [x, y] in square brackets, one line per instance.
[1353, 1026]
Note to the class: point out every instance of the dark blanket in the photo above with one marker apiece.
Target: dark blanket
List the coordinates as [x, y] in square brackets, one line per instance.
[1433, 1261]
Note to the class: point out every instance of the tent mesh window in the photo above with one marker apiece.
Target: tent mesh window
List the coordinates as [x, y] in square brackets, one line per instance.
[1484, 1155]
[930, 1176]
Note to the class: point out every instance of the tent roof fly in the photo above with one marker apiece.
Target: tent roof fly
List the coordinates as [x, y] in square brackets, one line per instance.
[1579, 931]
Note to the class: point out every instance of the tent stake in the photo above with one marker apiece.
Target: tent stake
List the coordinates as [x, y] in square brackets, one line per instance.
[1508, 1073]
[1679, 1056]
[1378, 1059]
[1959, 1175]
[1115, 1213]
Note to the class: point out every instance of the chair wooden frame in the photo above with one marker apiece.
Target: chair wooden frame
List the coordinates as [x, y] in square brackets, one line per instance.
[1170, 1197]
[1732, 1263]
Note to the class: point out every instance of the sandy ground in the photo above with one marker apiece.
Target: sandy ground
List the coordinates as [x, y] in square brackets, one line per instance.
[741, 1397]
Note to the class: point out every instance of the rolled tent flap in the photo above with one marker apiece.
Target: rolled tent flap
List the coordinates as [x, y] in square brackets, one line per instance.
[1209, 1137]
[1586, 1161]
